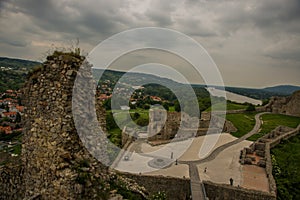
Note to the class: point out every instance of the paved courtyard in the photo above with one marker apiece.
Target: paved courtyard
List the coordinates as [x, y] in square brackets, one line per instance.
[211, 157]
[143, 158]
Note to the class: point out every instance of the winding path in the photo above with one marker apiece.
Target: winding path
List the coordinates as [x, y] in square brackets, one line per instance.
[219, 149]
[197, 188]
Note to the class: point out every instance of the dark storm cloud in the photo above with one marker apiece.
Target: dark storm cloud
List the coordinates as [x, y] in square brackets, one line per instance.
[15, 43]
[66, 17]
[271, 12]
[252, 33]
[160, 12]
[160, 18]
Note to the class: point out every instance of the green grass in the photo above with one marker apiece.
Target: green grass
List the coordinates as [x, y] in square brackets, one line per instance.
[286, 168]
[115, 136]
[243, 122]
[143, 113]
[271, 121]
[171, 109]
[17, 149]
[114, 132]
[230, 106]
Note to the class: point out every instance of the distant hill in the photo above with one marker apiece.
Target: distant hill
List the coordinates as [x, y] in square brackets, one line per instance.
[13, 72]
[283, 89]
[264, 93]
[158, 86]
[253, 93]
[17, 64]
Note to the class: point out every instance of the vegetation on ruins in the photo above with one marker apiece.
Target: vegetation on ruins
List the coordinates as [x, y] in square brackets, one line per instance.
[13, 73]
[159, 196]
[286, 168]
[271, 121]
[229, 106]
[244, 122]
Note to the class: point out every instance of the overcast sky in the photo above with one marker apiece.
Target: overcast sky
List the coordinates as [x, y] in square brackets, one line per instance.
[255, 43]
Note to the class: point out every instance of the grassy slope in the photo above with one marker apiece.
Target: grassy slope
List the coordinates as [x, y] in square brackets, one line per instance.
[243, 122]
[271, 121]
[115, 134]
[286, 168]
[286, 163]
[230, 106]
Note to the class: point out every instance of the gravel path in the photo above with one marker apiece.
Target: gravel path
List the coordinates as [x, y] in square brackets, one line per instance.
[218, 150]
[198, 191]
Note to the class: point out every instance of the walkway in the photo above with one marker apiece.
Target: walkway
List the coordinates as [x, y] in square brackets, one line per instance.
[218, 150]
[197, 188]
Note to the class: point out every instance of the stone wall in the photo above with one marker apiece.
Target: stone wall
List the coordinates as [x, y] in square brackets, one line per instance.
[11, 179]
[262, 148]
[55, 164]
[52, 152]
[285, 105]
[226, 192]
[175, 188]
[179, 126]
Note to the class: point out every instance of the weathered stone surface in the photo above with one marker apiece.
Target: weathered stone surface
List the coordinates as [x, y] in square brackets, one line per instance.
[285, 105]
[226, 192]
[55, 164]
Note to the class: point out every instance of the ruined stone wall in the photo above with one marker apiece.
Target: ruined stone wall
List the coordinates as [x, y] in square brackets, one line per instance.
[168, 129]
[226, 192]
[11, 182]
[262, 148]
[55, 164]
[175, 188]
[271, 144]
[172, 126]
[285, 105]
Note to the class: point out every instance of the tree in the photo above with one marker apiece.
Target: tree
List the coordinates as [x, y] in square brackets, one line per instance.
[177, 106]
[135, 116]
[265, 102]
[107, 104]
[110, 121]
[146, 106]
[132, 106]
[250, 108]
[165, 105]
[18, 118]
[142, 122]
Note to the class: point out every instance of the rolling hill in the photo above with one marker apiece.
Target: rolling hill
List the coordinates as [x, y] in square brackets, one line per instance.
[13, 74]
[283, 89]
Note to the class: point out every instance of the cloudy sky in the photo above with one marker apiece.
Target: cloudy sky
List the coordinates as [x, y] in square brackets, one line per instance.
[254, 43]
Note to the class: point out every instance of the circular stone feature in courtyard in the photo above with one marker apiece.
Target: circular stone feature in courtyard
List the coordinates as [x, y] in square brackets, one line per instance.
[160, 163]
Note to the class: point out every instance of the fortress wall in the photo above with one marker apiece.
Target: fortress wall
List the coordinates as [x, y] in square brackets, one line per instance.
[55, 163]
[269, 146]
[11, 182]
[226, 192]
[175, 188]
[265, 144]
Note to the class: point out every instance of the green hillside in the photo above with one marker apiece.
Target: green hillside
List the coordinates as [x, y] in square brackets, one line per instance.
[13, 72]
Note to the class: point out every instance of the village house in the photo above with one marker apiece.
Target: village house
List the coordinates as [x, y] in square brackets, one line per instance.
[6, 129]
[10, 115]
[155, 98]
[104, 97]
